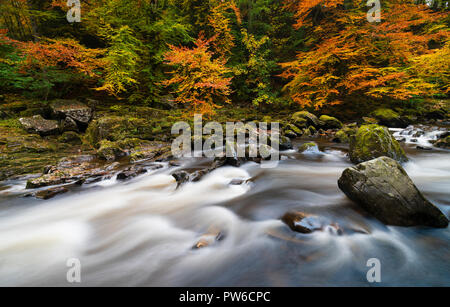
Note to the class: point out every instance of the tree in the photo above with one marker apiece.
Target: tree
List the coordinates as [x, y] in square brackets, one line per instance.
[349, 58]
[200, 80]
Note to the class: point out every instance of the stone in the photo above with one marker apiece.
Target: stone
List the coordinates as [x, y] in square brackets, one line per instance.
[130, 173]
[373, 141]
[389, 118]
[309, 147]
[73, 109]
[110, 151]
[304, 119]
[37, 124]
[50, 193]
[330, 122]
[383, 188]
[302, 223]
[68, 124]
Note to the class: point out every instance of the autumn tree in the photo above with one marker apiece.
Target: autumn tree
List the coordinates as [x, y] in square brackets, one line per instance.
[349, 58]
[200, 80]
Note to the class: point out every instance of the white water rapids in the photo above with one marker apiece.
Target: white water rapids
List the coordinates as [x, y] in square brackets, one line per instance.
[141, 233]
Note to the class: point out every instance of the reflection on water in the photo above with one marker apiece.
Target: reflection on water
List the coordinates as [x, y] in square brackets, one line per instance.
[142, 232]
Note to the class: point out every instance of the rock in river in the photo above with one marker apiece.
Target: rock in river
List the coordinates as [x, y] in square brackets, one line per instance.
[73, 109]
[373, 141]
[383, 188]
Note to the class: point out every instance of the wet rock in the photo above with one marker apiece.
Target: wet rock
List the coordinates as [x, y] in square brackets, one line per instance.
[330, 122]
[181, 177]
[390, 118]
[208, 240]
[50, 193]
[383, 188]
[302, 223]
[284, 143]
[424, 148]
[308, 147]
[373, 141]
[37, 124]
[198, 175]
[77, 111]
[443, 143]
[130, 173]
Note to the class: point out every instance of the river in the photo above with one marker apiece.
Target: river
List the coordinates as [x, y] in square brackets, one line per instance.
[142, 232]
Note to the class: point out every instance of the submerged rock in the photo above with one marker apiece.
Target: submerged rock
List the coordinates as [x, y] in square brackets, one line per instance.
[383, 188]
[308, 147]
[130, 173]
[302, 222]
[50, 193]
[373, 141]
[37, 124]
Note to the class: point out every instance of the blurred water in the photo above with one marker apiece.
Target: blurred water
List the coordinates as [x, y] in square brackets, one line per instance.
[141, 233]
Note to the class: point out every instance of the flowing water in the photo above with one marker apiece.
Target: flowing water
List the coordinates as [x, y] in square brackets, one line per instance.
[142, 232]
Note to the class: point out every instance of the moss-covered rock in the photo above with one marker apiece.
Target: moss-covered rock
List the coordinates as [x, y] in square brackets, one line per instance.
[330, 122]
[345, 135]
[295, 129]
[383, 188]
[304, 119]
[390, 118]
[374, 141]
[308, 147]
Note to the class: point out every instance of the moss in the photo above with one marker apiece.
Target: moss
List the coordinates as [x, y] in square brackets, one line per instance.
[304, 118]
[295, 129]
[330, 122]
[110, 151]
[374, 141]
[70, 137]
[308, 147]
[345, 134]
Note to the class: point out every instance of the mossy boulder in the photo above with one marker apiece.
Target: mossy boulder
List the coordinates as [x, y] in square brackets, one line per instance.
[304, 119]
[345, 135]
[116, 128]
[382, 187]
[329, 122]
[295, 129]
[73, 109]
[309, 147]
[374, 141]
[390, 118]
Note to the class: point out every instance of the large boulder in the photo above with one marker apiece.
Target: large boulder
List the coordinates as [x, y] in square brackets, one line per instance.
[373, 141]
[383, 188]
[37, 124]
[390, 118]
[305, 119]
[73, 109]
[329, 122]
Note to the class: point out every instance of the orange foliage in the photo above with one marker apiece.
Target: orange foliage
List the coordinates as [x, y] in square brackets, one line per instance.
[349, 56]
[200, 80]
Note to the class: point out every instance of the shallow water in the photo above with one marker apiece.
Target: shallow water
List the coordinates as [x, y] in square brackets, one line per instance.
[141, 233]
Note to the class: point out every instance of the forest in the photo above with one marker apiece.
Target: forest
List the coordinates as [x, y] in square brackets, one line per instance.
[260, 54]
